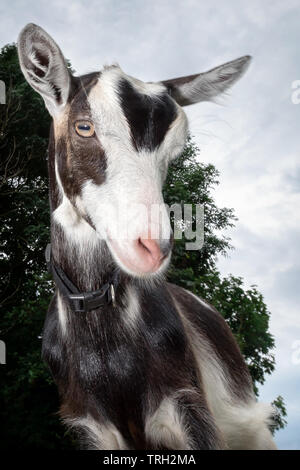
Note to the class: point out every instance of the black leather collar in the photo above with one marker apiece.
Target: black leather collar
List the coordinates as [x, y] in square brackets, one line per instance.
[81, 301]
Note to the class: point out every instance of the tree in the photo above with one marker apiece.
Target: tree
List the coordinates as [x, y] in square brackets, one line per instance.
[28, 397]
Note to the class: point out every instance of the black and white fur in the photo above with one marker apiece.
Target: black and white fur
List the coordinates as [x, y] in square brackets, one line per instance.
[160, 369]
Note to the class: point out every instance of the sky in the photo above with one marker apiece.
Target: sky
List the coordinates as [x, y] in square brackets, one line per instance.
[252, 136]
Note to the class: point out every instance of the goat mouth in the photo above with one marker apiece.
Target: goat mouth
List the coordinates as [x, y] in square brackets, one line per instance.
[138, 257]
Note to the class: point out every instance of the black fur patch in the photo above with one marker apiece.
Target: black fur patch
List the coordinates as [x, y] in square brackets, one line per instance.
[149, 117]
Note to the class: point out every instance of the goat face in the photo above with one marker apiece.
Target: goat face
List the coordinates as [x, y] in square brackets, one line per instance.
[114, 138]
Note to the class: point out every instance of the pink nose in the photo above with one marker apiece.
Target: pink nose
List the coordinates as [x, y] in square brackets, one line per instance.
[143, 255]
[151, 247]
[153, 252]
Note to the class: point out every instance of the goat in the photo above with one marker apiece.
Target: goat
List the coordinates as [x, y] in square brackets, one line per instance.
[139, 363]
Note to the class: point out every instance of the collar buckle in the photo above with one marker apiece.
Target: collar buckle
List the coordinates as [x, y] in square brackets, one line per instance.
[81, 301]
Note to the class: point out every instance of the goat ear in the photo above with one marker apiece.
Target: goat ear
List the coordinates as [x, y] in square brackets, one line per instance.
[44, 67]
[206, 86]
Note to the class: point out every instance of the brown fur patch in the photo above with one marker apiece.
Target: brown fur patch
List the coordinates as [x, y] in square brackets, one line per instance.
[79, 159]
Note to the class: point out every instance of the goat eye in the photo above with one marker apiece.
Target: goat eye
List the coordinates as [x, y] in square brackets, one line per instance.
[85, 128]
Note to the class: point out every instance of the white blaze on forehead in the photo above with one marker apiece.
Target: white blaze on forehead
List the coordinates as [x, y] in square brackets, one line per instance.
[106, 110]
